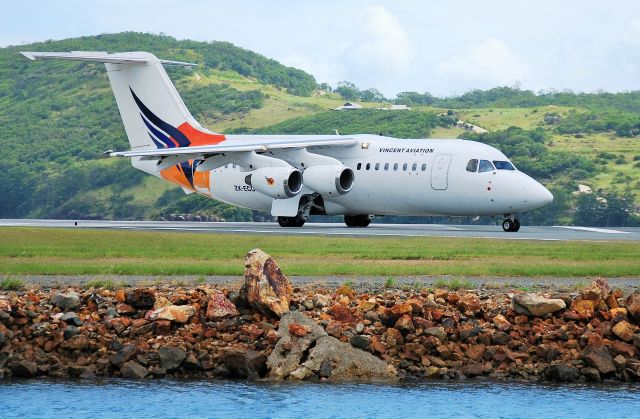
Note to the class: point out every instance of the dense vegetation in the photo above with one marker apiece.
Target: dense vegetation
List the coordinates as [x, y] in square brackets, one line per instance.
[509, 97]
[56, 117]
[365, 121]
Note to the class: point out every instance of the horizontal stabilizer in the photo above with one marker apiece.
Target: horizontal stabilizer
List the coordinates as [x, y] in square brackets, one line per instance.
[104, 57]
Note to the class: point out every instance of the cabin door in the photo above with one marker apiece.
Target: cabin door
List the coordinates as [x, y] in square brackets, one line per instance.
[440, 172]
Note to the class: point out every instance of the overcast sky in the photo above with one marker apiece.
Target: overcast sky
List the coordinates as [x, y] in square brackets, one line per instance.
[445, 47]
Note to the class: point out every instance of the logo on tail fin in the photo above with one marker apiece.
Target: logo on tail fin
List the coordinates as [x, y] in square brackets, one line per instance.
[165, 135]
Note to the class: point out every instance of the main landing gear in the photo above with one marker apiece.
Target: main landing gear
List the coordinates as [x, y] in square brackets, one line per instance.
[361, 220]
[297, 221]
[511, 225]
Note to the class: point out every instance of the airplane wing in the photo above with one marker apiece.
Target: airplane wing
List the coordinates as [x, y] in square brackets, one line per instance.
[244, 143]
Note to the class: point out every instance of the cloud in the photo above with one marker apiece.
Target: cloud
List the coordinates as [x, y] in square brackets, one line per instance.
[489, 64]
[380, 42]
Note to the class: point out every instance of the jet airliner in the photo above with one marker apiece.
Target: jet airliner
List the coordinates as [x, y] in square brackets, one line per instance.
[295, 176]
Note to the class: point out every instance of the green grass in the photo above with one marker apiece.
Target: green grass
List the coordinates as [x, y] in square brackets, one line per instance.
[454, 284]
[390, 282]
[11, 284]
[91, 252]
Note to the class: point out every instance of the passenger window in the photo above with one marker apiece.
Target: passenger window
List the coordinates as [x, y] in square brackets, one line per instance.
[472, 166]
[386, 166]
[503, 165]
[377, 166]
[414, 167]
[404, 167]
[485, 166]
[368, 166]
[395, 167]
[424, 167]
[359, 166]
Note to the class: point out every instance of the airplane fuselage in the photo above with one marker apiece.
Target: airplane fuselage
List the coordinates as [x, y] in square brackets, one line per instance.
[406, 177]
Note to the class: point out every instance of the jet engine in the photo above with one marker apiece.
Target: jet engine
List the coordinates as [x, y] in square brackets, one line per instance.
[330, 180]
[276, 182]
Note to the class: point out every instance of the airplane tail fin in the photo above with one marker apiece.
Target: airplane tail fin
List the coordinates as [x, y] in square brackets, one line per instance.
[152, 111]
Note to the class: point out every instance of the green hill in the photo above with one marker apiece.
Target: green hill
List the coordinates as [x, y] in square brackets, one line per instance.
[56, 117]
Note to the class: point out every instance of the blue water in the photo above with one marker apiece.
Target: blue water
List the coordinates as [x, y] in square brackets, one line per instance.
[167, 399]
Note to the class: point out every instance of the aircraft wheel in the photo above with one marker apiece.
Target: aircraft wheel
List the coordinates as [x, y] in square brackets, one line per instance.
[297, 221]
[284, 221]
[509, 225]
[517, 224]
[361, 220]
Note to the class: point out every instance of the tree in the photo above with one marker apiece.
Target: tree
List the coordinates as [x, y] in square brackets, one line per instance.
[348, 90]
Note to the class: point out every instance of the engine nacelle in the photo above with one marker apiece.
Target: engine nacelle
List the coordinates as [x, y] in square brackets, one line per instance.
[276, 182]
[330, 180]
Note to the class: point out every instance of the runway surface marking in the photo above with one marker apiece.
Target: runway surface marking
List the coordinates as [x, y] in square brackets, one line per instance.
[595, 230]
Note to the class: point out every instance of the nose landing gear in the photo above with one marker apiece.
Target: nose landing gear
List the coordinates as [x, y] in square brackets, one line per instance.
[511, 225]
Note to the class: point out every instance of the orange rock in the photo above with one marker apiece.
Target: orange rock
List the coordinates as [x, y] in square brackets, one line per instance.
[121, 296]
[469, 304]
[298, 330]
[624, 330]
[453, 298]
[377, 345]
[266, 288]
[475, 352]
[416, 305]
[405, 324]
[585, 308]
[342, 313]
[394, 337]
[345, 290]
[401, 308]
[501, 323]
[367, 305]
[618, 314]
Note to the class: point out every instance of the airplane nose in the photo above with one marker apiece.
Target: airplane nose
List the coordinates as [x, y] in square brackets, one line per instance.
[540, 196]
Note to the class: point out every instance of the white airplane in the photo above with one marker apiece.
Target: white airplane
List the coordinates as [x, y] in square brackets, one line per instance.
[295, 176]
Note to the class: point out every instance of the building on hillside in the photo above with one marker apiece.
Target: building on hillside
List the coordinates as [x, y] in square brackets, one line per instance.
[348, 106]
[399, 108]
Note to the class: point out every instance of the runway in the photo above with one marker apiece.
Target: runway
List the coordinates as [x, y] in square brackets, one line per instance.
[547, 233]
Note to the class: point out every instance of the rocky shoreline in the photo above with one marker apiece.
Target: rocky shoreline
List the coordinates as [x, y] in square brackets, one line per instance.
[269, 330]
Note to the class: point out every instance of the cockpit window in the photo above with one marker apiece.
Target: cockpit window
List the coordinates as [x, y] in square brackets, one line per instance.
[503, 165]
[485, 166]
[472, 166]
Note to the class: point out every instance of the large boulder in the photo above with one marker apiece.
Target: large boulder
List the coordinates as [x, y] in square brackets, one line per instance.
[132, 369]
[266, 288]
[220, 307]
[533, 304]
[289, 349]
[176, 314]
[66, 301]
[171, 357]
[126, 353]
[244, 363]
[23, 369]
[315, 354]
[598, 357]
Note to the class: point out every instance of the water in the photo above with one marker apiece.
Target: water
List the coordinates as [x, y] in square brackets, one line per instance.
[119, 398]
